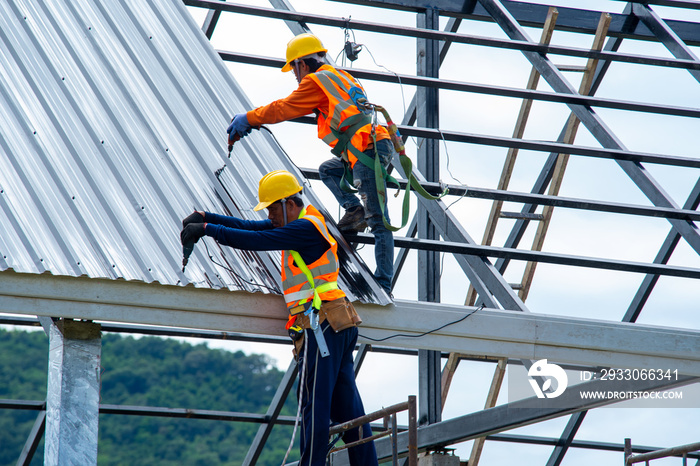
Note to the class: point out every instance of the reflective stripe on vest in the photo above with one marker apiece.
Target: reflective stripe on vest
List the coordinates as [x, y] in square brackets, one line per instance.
[317, 281]
[342, 113]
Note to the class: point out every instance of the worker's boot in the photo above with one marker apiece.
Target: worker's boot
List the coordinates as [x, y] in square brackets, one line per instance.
[353, 220]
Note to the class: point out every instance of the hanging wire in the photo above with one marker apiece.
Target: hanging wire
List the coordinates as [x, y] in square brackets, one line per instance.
[261, 285]
[447, 155]
[429, 331]
[302, 381]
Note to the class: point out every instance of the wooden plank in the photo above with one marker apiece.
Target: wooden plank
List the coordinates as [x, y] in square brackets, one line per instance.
[498, 375]
[512, 154]
[563, 159]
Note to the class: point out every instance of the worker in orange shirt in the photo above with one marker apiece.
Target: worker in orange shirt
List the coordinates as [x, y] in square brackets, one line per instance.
[328, 92]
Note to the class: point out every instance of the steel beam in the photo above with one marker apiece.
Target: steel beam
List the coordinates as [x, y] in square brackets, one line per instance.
[614, 154]
[288, 420]
[536, 199]
[547, 171]
[73, 393]
[592, 121]
[664, 254]
[207, 334]
[534, 256]
[491, 332]
[508, 416]
[30, 446]
[533, 15]
[210, 22]
[185, 413]
[521, 45]
[482, 275]
[567, 437]
[665, 34]
[272, 414]
[297, 27]
[486, 89]
[631, 316]
[584, 444]
[400, 257]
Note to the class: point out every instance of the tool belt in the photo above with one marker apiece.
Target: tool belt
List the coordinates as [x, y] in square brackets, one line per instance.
[340, 314]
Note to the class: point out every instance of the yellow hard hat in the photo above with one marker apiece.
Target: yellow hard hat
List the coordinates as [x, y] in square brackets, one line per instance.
[276, 185]
[301, 46]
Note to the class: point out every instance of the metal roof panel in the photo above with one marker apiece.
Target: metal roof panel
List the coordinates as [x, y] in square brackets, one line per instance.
[113, 118]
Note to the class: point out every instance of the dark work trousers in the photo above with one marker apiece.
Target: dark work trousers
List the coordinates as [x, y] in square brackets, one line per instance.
[330, 395]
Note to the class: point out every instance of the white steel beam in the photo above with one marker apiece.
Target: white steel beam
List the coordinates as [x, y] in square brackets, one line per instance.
[491, 332]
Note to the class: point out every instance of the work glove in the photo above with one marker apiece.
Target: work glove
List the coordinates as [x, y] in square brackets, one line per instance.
[194, 217]
[191, 233]
[238, 127]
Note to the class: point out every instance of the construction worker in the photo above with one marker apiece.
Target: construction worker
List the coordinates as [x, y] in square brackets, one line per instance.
[327, 389]
[326, 91]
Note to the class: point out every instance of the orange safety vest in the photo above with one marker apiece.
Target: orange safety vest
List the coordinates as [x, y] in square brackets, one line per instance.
[343, 117]
[316, 282]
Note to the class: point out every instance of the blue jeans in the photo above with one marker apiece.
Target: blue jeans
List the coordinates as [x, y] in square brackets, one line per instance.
[331, 172]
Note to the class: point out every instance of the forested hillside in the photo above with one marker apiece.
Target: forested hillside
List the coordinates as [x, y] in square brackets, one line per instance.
[157, 372]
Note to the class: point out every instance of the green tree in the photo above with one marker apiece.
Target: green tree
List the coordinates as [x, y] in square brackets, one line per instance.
[157, 372]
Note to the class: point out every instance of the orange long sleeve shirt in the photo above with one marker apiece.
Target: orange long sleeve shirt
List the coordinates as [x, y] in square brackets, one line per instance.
[302, 101]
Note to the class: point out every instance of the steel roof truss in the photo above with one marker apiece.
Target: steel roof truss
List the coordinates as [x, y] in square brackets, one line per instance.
[595, 125]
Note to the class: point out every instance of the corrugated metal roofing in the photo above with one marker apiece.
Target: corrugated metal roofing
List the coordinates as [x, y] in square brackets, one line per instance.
[113, 118]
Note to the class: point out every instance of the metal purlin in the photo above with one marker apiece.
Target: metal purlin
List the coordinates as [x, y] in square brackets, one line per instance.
[673, 232]
[595, 125]
[676, 46]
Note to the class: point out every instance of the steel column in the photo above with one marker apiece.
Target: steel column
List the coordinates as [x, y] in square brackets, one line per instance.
[73, 393]
[427, 111]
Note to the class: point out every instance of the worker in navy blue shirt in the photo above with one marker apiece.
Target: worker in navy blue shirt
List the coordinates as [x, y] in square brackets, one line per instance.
[265, 235]
[327, 389]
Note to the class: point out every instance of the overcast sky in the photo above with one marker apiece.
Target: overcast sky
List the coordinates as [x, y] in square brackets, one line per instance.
[559, 290]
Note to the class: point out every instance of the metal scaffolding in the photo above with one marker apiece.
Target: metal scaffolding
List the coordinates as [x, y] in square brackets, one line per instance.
[494, 334]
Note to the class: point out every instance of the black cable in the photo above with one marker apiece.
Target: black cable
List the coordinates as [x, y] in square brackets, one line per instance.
[211, 258]
[424, 333]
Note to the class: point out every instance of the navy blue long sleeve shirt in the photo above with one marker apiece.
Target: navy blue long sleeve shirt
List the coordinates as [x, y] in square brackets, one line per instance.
[259, 235]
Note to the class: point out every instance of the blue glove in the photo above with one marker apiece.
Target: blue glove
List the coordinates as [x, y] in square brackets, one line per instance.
[238, 127]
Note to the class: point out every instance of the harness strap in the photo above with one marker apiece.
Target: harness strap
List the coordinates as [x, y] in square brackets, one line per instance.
[315, 290]
[381, 177]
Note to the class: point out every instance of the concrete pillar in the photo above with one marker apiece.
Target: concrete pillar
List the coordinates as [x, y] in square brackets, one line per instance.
[438, 458]
[73, 395]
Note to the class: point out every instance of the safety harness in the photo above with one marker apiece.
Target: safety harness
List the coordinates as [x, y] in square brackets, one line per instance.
[343, 130]
[307, 300]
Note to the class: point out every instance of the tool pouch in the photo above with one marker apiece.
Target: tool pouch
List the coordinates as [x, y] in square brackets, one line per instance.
[340, 313]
